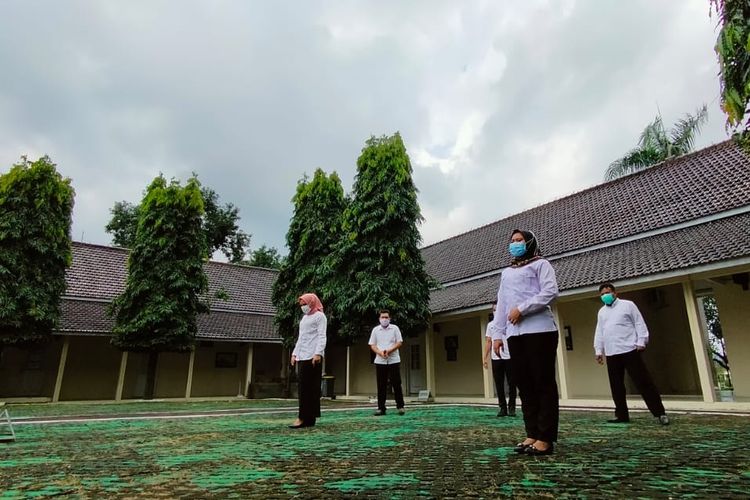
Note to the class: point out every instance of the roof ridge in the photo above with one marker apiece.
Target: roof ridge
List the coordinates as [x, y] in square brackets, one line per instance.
[127, 250]
[658, 166]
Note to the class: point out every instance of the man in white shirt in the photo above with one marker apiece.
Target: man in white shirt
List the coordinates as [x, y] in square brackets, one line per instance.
[500, 370]
[385, 341]
[621, 335]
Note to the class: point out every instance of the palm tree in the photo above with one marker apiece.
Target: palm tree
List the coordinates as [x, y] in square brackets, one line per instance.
[657, 145]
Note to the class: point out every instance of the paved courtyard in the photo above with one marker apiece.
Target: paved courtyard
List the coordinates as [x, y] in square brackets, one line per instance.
[433, 451]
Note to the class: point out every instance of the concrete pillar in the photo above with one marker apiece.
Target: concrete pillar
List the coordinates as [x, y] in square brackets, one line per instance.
[699, 343]
[248, 370]
[189, 384]
[121, 376]
[487, 379]
[61, 369]
[348, 369]
[429, 352]
[562, 358]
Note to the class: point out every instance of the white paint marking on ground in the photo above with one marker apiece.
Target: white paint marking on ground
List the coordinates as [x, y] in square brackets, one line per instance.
[282, 410]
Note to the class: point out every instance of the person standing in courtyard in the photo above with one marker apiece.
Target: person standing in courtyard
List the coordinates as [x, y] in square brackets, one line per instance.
[524, 317]
[500, 371]
[621, 334]
[385, 341]
[308, 358]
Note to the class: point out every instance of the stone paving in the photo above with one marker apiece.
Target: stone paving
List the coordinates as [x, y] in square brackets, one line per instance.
[431, 452]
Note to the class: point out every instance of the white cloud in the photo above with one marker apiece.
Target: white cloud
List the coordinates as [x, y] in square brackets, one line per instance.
[503, 104]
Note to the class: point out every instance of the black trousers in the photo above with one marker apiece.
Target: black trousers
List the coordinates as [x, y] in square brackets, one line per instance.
[382, 374]
[502, 370]
[632, 362]
[308, 377]
[533, 364]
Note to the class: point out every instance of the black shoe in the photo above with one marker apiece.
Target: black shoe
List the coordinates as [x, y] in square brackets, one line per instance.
[401, 411]
[300, 426]
[664, 419]
[535, 452]
[619, 421]
[520, 447]
[512, 413]
[503, 412]
[378, 413]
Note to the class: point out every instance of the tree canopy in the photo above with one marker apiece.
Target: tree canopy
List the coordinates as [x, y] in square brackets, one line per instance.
[656, 144]
[36, 205]
[166, 282]
[377, 262]
[265, 256]
[733, 50]
[219, 223]
[313, 233]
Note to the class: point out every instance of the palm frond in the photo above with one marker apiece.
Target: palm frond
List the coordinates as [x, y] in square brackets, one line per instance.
[653, 136]
[634, 161]
[684, 132]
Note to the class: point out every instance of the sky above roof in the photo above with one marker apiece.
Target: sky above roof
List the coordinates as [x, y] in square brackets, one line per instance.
[503, 105]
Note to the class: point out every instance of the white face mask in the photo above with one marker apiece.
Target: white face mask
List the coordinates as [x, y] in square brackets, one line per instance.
[385, 322]
[305, 309]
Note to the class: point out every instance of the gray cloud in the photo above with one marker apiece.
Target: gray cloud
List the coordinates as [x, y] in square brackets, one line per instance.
[503, 105]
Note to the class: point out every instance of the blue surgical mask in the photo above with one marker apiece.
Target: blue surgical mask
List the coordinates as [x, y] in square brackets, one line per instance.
[517, 248]
[608, 298]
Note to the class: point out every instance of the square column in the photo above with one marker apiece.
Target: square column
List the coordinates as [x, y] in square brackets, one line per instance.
[189, 384]
[487, 379]
[248, 370]
[699, 343]
[121, 376]
[348, 369]
[429, 352]
[61, 369]
[562, 358]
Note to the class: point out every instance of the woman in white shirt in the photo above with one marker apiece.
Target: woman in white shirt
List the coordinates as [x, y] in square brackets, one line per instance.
[308, 357]
[524, 318]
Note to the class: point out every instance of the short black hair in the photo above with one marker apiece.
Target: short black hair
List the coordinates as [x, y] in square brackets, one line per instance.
[384, 311]
[607, 285]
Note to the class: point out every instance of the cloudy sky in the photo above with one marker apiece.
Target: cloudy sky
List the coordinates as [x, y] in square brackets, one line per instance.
[503, 105]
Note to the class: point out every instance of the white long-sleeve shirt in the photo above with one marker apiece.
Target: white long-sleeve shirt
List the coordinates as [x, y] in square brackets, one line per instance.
[504, 352]
[619, 329]
[312, 336]
[530, 288]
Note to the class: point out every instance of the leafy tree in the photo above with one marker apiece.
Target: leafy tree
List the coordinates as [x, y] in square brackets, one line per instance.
[733, 50]
[166, 281]
[313, 233]
[219, 222]
[36, 204]
[265, 256]
[657, 145]
[377, 263]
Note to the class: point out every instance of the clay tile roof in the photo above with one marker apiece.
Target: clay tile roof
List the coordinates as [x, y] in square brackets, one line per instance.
[707, 182]
[98, 273]
[691, 199]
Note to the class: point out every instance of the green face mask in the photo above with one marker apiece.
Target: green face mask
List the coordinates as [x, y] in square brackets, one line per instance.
[608, 298]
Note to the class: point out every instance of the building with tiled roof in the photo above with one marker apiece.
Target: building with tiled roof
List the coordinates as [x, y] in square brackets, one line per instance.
[98, 273]
[670, 237]
[238, 344]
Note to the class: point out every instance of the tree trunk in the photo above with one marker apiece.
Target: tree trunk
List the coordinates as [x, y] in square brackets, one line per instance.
[153, 358]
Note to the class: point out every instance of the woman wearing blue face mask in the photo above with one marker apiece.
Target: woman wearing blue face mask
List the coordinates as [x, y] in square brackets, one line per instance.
[524, 317]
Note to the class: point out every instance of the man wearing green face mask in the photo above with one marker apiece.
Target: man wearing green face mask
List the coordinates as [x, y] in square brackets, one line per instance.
[621, 335]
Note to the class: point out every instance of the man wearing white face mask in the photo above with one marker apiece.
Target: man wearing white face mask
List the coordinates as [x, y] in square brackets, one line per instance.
[385, 341]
